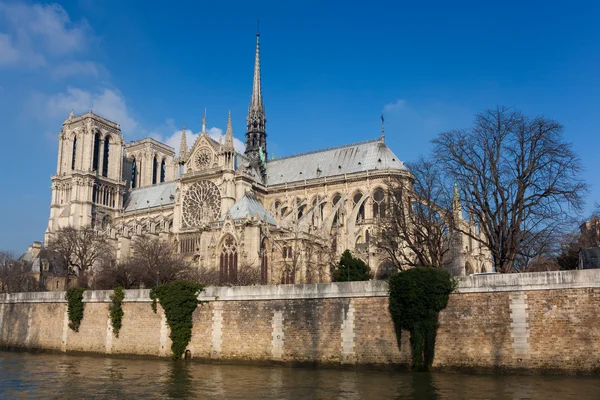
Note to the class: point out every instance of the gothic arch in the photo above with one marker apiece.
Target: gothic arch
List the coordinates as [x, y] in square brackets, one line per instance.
[96, 157]
[356, 201]
[74, 152]
[163, 170]
[468, 269]
[228, 259]
[379, 204]
[265, 250]
[105, 156]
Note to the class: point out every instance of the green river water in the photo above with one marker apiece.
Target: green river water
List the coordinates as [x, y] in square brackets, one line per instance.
[59, 376]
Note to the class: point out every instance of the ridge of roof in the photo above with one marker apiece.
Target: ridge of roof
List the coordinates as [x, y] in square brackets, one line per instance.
[326, 149]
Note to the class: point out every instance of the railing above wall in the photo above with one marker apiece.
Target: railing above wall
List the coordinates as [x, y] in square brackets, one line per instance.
[552, 280]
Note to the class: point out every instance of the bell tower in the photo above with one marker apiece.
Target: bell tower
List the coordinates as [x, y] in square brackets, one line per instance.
[256, 132]
[88, 187]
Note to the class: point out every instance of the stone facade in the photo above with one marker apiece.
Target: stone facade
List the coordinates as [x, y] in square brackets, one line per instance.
[290, 218]
[545, 322]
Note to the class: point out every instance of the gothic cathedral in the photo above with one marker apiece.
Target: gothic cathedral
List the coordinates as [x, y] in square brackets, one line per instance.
[289, 218]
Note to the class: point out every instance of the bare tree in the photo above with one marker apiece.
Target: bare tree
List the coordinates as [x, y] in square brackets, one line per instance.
[15, 275]
[415, 231]
[156, 261]
[78, 249]
[112, 274]
[519, 180]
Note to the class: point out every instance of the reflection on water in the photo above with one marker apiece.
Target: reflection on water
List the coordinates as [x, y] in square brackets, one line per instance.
[59, 376]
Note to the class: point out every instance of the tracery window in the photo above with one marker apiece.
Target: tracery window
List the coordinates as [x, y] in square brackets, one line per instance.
[378, 203]
[228, 260]
[106, 153]
[201, 204]
[361, 211]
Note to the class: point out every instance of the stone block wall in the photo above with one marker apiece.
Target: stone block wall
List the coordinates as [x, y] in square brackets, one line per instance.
[543, 322]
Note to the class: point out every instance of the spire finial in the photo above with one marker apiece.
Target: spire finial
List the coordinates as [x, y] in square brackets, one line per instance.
[72, 115]
[258, 27]
[204, 121]
[183, 149]
[229, 133]
[382, 128]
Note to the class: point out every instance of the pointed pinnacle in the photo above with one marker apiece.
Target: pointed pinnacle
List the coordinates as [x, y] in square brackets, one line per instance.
[183, 149]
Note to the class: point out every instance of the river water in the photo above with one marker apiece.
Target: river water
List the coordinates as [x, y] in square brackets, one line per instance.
[59, 376]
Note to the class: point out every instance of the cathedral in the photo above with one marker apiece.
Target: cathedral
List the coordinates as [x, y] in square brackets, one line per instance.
[289, 218]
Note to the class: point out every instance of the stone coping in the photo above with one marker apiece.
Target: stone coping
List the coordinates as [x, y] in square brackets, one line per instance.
[552, 280]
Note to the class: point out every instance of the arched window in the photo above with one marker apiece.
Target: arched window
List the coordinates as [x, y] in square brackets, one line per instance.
[74, 152]
[154, 168]
[378, 203]
[264, 263]
[94, 193]
[336, 199]
[134, 174]
[468, 269]
[105, 160]
[163, 171]
[96, 152]
[228, 261]
[288, 276]
[300, 207]
[361, 211]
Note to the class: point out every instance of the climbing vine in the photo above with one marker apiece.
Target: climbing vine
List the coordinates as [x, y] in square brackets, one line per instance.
[178, 299]
[417, 296]
[116, 310]
[74, 297]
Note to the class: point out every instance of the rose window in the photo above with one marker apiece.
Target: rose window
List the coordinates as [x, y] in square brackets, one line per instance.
[201, 204]
[203, 158]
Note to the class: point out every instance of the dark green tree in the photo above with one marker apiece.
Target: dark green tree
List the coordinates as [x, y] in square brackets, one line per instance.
[351, 269]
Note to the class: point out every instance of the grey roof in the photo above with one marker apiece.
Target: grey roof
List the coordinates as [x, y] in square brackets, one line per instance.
[250, 206]
[346, 159]
[151, 196]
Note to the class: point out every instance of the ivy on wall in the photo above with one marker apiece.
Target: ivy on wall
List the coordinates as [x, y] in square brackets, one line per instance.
[116, 310]
[178, 299]
[74, 297]
[417, 296]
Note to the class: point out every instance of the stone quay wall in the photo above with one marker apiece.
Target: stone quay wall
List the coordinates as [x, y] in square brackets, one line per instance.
[538, 322]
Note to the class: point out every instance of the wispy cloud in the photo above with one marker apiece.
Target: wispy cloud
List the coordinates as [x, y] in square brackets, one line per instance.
[38, 32]
[109, 103]
[76, 68]
[398, 105]
[215, 133]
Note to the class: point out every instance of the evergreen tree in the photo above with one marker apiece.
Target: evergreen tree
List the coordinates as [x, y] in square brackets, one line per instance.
[351, 269]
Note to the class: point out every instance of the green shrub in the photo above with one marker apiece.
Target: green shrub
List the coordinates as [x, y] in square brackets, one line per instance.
[351, 269]
[74, 297]
[116, 310]
[179, 299]
[417, 296]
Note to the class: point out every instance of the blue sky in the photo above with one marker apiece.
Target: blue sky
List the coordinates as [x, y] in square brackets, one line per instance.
[329, 71]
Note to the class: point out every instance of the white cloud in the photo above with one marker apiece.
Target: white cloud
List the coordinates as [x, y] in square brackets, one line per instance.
[398, 105]
[38, 32]
[215, 133]
[8, 53]
[80, 68]
[106, 103]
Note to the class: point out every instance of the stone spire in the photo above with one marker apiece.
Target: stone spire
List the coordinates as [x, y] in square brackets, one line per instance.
[229, 134]
[183, 148]
[456, 205]
[204, 121]
[256, 133]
